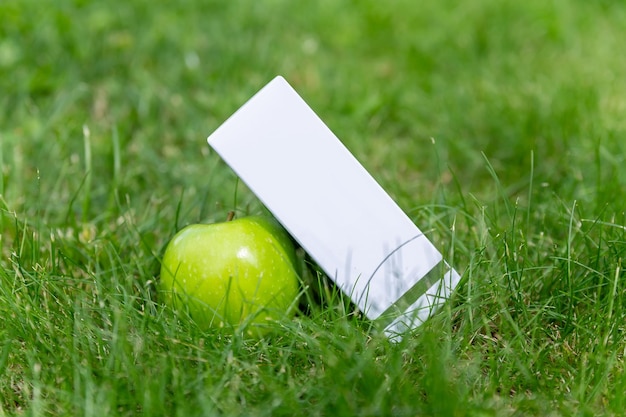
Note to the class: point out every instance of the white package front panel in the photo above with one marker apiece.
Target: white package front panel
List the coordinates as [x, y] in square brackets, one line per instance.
[324, 198]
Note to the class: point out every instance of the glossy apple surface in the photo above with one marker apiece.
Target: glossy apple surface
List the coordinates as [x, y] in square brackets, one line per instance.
[237, 274]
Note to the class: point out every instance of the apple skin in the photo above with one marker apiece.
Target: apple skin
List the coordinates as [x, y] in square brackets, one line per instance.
[237, 274]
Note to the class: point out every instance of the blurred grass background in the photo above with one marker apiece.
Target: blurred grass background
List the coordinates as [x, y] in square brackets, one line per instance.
[497, 125]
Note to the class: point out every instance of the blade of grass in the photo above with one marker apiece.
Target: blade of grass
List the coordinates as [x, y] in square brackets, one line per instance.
[88, 173]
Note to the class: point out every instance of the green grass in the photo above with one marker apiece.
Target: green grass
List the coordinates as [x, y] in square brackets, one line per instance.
[497, 125]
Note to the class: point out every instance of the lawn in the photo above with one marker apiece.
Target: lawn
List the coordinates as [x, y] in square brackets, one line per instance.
[497, 125]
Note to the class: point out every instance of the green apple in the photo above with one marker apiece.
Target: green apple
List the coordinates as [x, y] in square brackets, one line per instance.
[237, 274]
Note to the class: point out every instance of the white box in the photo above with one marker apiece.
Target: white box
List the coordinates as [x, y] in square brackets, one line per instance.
[334, 208]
